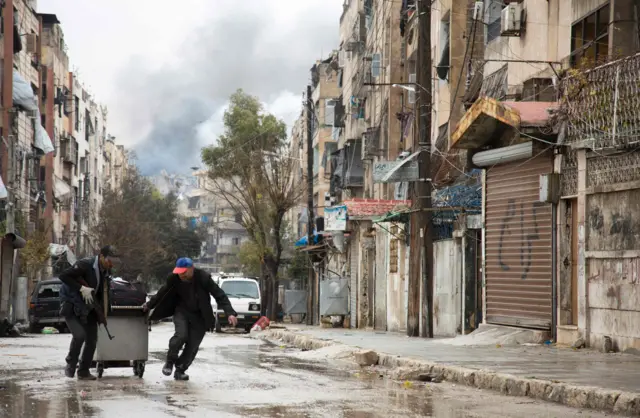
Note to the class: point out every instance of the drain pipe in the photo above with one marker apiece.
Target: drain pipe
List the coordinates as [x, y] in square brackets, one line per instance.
[554, 272]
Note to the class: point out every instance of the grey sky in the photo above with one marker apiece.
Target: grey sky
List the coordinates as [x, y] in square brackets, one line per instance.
[165, 69]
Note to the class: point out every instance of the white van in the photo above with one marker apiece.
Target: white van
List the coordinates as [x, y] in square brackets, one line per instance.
[244, 295]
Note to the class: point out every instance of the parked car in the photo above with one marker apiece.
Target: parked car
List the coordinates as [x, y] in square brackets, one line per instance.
[44, 308]
[244, 295]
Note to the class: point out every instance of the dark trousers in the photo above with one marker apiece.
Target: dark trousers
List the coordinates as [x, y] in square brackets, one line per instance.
[83, 334]
[189, 333]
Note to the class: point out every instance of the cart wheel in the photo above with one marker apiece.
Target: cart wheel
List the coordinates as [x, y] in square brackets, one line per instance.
[100, 370]
[138, 367]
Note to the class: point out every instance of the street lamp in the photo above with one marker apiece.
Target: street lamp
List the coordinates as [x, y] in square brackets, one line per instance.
[409, 87]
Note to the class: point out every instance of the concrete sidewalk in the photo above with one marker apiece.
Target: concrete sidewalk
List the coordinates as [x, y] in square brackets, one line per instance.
[579, 378]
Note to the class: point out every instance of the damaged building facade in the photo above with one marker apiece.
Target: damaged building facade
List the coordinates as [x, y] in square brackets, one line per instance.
[56, 163]
[534, 167]
[552, 128]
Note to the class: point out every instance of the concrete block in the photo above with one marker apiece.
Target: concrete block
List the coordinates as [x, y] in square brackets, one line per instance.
[469, 378]
[516, 386]
[499, 383]
[602, 399]
[539, 389]
[484, 380]
[366, 358]
[627, 403]
[458, 375]
[557, 393]
[409, 373]
[576, 396]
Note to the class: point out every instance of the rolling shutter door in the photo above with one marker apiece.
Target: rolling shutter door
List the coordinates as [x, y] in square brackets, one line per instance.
[518, 243]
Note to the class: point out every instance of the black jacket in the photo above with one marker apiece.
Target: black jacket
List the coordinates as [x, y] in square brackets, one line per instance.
[83, 270]
[166, 300]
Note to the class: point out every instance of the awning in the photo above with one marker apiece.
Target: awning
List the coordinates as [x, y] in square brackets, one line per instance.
[488, 119]
[402, 217]
[368, 209]
[396, 168]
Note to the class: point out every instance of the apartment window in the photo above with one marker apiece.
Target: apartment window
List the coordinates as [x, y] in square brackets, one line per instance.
[444, 58]
[76, 113]
[590, 38]
[236, 241]
[376, 64]
[368, 11]
[238, 218]
[316, 160]
[493, 14]
[330, 112]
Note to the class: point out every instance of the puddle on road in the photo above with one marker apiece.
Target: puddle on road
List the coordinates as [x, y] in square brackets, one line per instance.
[252, 381]
[17, 402]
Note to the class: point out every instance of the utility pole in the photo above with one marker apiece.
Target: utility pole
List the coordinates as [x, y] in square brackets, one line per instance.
[6, 146]
[312, 276]
[80, 206]
[421, 244]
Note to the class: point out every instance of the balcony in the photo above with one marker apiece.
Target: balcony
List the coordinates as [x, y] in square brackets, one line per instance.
[228, 249]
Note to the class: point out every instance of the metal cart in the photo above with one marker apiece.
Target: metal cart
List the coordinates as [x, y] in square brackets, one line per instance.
[130, 346]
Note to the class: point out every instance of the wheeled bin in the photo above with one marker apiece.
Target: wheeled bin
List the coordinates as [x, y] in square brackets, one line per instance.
[129, 347]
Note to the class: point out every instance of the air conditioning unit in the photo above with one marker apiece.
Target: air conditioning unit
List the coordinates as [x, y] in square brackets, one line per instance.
[351, 46]
[512, 20]
[341, 58]
[32, 43]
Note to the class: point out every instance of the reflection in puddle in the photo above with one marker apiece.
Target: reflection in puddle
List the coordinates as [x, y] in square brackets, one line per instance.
[247, 381]
[16, 402]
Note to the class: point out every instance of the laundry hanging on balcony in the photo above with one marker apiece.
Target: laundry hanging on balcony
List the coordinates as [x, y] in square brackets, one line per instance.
[25, 99]
[3, 190]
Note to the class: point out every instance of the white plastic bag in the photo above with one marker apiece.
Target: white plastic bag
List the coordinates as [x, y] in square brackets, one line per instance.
[23, 93]
[43, 141]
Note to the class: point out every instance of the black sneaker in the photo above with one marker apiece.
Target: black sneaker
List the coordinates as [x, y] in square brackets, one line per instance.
[167, 369]
[178, 375]
[86, 376]
[70, 371]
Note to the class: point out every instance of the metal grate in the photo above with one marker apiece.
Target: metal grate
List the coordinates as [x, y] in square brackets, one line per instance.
[569, 178]
[603, 170]
[601, 105]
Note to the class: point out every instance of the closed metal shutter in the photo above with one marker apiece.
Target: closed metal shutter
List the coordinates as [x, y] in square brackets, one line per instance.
[518, 243]
[353, 282]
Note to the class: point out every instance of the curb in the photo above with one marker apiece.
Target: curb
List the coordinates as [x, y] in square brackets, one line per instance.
[575, 396]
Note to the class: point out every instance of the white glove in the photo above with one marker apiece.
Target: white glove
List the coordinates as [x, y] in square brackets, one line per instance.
[86, 294]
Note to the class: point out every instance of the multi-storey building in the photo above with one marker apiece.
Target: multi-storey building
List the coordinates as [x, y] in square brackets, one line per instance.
[558, 167]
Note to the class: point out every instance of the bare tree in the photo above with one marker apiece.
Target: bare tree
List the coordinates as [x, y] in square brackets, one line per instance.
[250, 168]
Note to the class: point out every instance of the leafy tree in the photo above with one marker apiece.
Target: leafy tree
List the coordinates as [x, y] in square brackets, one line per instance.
[146, 229]
[250, 169]
[250, 258]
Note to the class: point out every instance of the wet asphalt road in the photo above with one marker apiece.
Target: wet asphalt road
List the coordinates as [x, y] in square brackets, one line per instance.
[234, 376]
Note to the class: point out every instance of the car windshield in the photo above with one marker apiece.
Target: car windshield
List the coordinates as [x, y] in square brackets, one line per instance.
[240, 289]
[51, 290]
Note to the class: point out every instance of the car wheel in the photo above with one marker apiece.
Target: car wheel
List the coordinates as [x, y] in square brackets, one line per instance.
[247, 328]
[218, 326]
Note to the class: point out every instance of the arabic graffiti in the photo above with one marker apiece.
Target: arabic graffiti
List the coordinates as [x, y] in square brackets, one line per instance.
[529, 233]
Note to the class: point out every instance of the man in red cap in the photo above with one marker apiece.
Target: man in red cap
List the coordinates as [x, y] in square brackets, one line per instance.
[185, 296]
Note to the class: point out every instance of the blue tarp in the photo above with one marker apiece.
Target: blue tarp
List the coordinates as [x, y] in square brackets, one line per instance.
[303, 241]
